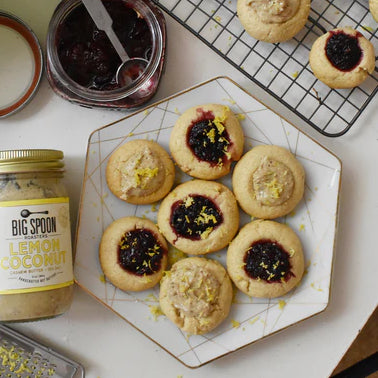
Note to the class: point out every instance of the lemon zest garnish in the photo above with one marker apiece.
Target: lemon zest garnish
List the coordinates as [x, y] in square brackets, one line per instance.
[235, 323]
[281, 304]
[156, 311]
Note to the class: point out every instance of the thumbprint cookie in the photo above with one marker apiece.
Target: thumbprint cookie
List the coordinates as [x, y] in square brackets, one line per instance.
[268, 182]
[205, 140]
[265, 259]
[140, 172]
[199, 217]
[196, 294]
[133, 254]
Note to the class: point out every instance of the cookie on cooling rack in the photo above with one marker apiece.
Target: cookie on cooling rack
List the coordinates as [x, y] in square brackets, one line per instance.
[373, 7]
[205, 140]
[268, 182]
[273, 21]
[133, 254]
[265, 259]
[140, 172]
[342, 58]
[196, 294]
[199, 217]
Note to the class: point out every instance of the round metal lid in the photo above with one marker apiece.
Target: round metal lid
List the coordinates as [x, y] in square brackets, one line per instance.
[21, 64]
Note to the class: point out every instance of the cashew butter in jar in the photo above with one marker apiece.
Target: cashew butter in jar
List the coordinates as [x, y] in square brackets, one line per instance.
[36, 270]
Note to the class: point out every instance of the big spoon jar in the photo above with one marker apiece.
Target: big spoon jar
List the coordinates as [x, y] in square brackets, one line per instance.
[82, 63]
[36, 270]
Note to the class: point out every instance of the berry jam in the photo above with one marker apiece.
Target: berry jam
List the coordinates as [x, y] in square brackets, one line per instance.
[195, 217]
[343, 50]
[268, 261]
[207, 141]
[139, 252]
[86, 54]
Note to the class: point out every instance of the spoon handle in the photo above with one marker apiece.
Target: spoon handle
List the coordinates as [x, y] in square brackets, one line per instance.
[103, 21]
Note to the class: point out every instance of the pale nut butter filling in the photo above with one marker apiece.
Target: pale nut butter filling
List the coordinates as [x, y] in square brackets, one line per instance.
[193, 292]
[141, 174]
[274, 11]
[272, 182]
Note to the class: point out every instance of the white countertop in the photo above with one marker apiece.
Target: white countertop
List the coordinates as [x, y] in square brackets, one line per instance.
[106, 345]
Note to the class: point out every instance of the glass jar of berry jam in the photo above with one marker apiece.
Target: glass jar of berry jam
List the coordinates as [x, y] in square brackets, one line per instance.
[82, 63]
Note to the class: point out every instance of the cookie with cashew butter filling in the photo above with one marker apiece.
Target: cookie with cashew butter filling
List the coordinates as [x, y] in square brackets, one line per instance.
[273, 20]
[133, 254]
[199, 217]
[265, 259]
[268, 182]
[342, 58]
[196, 294]
[205, 140]
[140, 172]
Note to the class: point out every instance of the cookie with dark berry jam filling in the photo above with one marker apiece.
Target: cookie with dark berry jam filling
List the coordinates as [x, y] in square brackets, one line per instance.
[342, 58]
[205, 140]
[199, 217]
[265, 259]
[133, 254]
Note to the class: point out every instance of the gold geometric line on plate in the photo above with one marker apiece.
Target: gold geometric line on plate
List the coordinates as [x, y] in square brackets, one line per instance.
[257, 314]
[187, 338]
[162, 120]
[131, 134]
[266, 317]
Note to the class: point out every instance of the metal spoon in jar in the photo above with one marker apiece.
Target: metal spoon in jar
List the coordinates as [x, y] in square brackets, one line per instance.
[131, 68]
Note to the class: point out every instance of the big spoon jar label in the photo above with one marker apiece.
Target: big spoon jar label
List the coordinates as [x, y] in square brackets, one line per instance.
[35, 249]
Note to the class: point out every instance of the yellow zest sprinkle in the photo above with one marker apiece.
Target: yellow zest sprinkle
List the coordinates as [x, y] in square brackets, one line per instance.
[295, 74]
[145, 112]
[153, 207]
[230, 100]
[211, 135]
[235, 323]
[301, 227]
[130, 134]
[217, 18]
[316, 288]
[177, 111]
[291, 252]
[368, 28]
[240, 117]
[102, 278]
[188, 201]
[206, 233]
[151, 298]
[254, 320]
[281, 304]
[156, 311]
[144, 172]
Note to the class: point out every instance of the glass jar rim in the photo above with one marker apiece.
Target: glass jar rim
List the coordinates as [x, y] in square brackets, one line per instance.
[62, 11]
[31, 160]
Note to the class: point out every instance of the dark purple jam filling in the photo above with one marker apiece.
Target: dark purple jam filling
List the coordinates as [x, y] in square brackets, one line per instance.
[139, 252]
[207, 142]
[195, 217]
[267, 260]
[86, 53]
[343, 51]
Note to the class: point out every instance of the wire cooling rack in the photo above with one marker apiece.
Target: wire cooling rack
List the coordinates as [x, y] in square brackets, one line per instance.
[282, 69]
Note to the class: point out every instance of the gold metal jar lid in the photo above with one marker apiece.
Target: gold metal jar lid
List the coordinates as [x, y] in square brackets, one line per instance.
[31, 160]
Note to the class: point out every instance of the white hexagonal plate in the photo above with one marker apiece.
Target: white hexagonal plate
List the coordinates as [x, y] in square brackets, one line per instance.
[250, 319]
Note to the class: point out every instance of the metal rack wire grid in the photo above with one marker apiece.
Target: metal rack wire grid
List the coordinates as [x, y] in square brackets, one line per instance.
[282, 69]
